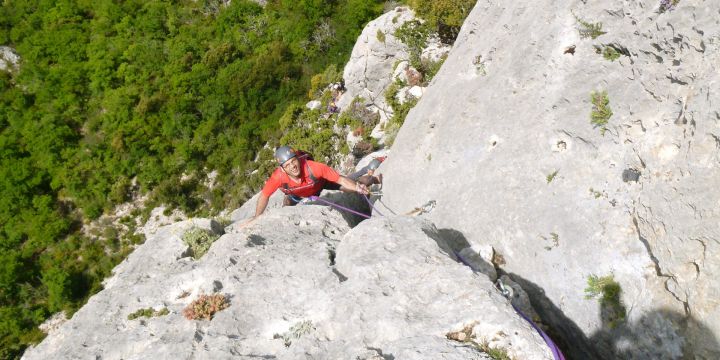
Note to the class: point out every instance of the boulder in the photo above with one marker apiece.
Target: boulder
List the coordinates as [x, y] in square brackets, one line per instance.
[372, 61]
[313, 105]
[9, 59]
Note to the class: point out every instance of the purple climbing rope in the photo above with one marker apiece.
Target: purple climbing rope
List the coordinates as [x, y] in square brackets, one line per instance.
[371, 205]
[557, 354]
[317, 198]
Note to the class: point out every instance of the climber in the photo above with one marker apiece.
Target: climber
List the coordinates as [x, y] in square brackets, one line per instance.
[299, 177]
[366, 174]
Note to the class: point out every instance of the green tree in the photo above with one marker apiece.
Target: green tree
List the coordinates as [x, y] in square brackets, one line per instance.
[447, 16]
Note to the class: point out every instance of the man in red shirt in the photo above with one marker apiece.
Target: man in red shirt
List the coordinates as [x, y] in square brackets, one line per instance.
[299, 177]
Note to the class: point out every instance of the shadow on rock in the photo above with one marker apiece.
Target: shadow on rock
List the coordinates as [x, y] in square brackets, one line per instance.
[659, 334]
[564, 332]
[351, 201]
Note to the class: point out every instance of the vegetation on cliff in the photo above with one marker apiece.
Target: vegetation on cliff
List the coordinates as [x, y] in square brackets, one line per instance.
[115, 99]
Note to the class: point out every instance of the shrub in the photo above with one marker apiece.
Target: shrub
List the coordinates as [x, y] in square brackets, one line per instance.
[358, 115]
[397, 120]
[445, 16]
[414, 34]
[205, 306]
[362, 148]
[601, 111]
[588, 29]
[430, 68]
[322, 80]
[199, 241]
[607, 291]
[391, 93]
[148, 313]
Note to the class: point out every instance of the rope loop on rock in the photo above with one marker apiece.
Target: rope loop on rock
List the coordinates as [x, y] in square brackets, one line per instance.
[317, 198]
[557, 354]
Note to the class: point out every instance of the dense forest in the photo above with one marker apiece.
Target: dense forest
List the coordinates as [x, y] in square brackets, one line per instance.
[116, 99]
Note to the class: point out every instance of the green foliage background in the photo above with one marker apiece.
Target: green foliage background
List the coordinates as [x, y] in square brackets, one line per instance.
[115, 98]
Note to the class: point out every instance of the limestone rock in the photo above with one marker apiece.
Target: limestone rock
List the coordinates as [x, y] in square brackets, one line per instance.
[477, 262]
[53, 322]
[416, 91]
[158, 219]
[9, 59]
[400, 72]
[435, 50]
[313, 105]
[372, 61]
[301, 285]
[502, 139]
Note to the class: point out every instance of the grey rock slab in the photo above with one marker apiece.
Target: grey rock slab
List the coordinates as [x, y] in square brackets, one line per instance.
[502, 141]
[301, 285]
[402, 284]
[369, 71]
[9, 59]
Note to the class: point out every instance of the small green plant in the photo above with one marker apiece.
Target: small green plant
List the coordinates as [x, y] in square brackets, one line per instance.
[414, 34]
[199, 241]
[148, 313]
[551, 176]
[205, 306]
[608, 52]
[400, 111]
[588, 29]
[494, 353]
[556, 238]
[430, 68]
[224, 221]
[295, 332]
[358, 115]
[601, 111]
[319, 81]
[595, 193]
[480, 65]
[381, 36]
[607, 291]
[466, 336]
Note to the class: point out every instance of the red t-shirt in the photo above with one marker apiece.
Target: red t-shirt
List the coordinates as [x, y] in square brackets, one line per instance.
[305, 188]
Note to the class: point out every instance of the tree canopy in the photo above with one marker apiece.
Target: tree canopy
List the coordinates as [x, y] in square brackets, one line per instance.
[139, 96]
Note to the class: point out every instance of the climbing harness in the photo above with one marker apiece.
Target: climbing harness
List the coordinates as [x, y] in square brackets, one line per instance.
[557, 354]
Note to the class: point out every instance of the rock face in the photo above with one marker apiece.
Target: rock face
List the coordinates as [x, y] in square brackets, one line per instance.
[503, 141]
[301, 285]
[373, 60]
[9, 59]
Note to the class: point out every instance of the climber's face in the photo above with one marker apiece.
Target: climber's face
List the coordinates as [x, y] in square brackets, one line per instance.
[292, 167]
